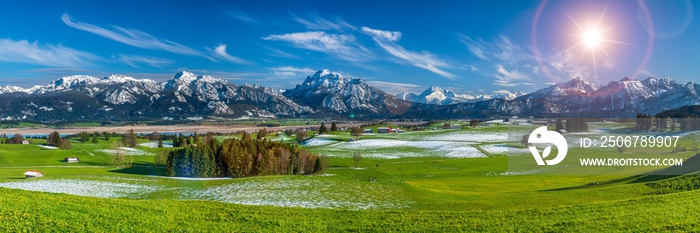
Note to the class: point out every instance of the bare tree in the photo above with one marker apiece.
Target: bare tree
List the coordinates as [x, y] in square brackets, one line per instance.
[119, 155]
[356, 132]
[357, 157]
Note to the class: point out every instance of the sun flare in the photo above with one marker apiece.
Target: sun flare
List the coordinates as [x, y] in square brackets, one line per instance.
[592, 38]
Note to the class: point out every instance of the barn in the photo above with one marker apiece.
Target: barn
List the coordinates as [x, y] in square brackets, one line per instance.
[384, 130]
[72, 160]
[33, 174]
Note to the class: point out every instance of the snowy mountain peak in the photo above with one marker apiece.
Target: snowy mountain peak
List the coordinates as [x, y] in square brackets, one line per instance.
[626, 78]
[326, 79]
[118, 78]
[185, 77]
[579, 85]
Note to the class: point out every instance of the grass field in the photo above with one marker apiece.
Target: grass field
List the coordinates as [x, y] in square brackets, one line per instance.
[431, 180]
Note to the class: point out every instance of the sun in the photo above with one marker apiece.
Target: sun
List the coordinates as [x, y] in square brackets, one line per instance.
[592, 38]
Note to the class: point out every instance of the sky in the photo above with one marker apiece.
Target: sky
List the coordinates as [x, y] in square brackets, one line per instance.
[399, 46]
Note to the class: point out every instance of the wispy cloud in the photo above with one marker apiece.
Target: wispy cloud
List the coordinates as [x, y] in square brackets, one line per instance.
[22, 51]
[220, 52]
[132, 37]
[133, 60]
[510, 78]
[396, 88]
[290, 71]
[512, 65]
[240, 15]
[316, 22]
[387, 41]
[339, 45]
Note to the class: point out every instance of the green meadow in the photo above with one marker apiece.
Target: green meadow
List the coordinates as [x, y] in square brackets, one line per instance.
[433, 180]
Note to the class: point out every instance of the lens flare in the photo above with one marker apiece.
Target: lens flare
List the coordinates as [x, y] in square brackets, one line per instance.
[592, 38]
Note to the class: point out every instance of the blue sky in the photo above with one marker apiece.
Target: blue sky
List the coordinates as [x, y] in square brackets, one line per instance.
[467, 46]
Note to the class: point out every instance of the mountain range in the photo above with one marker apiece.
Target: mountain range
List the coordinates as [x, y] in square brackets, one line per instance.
[325, 94]
[440, 96]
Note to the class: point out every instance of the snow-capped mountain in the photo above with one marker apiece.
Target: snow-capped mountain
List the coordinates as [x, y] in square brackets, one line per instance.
[124, 97]
[440, 96]
[332, 93]
[325, 93]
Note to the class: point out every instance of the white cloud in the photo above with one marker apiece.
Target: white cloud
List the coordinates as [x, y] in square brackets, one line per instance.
[23, 51]
[386, 35]
[132, 37]
[133, 60]
[316, 22]
[290, 71]
[425, 60]
[506, 92]
[220, 52]
[510, 78]
[396, 88]
[342, 46]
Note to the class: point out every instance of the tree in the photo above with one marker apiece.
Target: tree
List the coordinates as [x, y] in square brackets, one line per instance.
[84, 137]
[559, 125]
[446, 125]
[356, 132]
[321, 164]
[178, 141]
[17, 139]
[65, 145]
[160, 143]
[120, 157]
[334, 127]
[129, 138]
[357, 157]
[474, 123]
[301, 136]
[94, 138]
[322, 129]
[621, 149]
[155, 136]
[245, 136]
[161, 158]
[262, 133]
[54, 139]
[106, 135]
[196, 139]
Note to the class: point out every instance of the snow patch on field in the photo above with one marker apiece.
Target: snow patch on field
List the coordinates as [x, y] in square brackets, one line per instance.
[318, 142]
[48, 147]
[126, 150]
[155, 144]
[90, 188]
[470, 137]
[443, 148]
[504, 149]
[316, 192]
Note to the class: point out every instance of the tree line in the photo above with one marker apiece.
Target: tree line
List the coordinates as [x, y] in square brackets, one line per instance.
[242, 158]
[572, 125]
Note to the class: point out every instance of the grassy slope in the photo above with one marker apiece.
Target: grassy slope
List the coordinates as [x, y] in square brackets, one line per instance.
[33, 211]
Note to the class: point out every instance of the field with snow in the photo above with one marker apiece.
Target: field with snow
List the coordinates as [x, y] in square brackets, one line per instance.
[438, 173]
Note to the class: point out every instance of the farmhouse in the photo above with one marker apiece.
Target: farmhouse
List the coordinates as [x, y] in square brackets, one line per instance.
[25, 142]
[384, 130]
[33, 174]
[72, 160]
